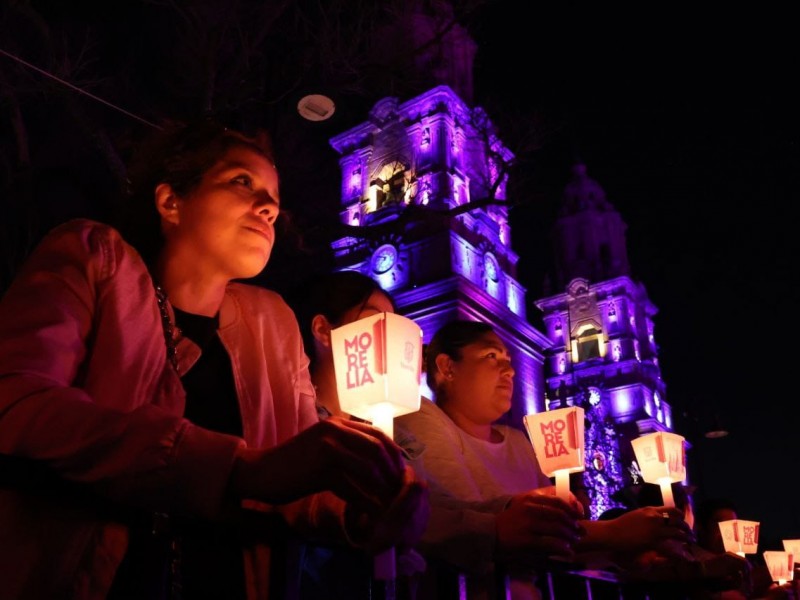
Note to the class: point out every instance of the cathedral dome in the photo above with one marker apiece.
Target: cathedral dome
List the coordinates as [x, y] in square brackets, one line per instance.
[583, 193]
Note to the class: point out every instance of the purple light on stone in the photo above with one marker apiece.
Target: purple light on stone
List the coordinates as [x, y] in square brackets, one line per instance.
[622, 401]
[355, 179]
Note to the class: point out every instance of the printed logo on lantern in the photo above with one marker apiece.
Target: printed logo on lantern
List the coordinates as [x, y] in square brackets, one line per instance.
[357, 364]
[750, 534]
[553, 433]
[408, 356]
[675, 462]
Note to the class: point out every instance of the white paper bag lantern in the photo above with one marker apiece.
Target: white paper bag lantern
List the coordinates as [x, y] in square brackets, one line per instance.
[780, 565]
[377, 361]
[558, 440]
[793, 546]
[740, 536]
[662, 459]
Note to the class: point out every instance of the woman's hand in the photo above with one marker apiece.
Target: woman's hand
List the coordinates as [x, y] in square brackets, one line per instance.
[355, 461]
[537, 525]
[646, 528]
[401, 524]
[731, 571]
[572, 500]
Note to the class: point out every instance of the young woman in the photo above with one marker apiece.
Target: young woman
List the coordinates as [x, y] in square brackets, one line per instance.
[149, 403]
[336, 299]
[490, 502]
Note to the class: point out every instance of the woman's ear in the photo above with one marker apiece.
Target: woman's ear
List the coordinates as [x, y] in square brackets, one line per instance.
[167, 203]
[444, 364]
[321, 330]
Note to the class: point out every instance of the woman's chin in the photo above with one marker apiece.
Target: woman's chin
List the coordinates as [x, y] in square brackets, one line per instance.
[253, 264]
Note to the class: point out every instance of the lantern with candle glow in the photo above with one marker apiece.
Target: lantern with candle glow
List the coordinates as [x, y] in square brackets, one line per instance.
[780, 565]
[557, 438]
[793, 546]
[662, 459]
[377, 362]
[740, 536]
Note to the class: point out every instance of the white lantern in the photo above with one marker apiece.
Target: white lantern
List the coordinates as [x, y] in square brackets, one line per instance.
[740, 536]
[377, 361]
[780, 565]
[558, 440]
[662, 459]
[793, 546]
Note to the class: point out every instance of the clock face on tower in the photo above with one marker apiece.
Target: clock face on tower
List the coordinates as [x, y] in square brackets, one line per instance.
[490, 266]
[384, 258]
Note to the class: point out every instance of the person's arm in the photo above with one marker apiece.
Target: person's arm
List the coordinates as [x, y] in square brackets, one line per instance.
[471, 534]
[63, 315]
[635, 530]
[56, 319]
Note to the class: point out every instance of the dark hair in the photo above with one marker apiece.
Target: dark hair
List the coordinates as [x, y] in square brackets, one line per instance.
[450, 339]
[708, 506]
[613, 513]
[332, 295]
[179, 155]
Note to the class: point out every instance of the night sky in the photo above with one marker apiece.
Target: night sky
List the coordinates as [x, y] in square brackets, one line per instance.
[689, 122]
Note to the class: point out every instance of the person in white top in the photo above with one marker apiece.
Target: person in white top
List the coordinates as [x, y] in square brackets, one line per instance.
[491, 505]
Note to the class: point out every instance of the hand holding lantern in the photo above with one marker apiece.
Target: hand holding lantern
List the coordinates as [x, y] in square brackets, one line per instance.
[377, 361]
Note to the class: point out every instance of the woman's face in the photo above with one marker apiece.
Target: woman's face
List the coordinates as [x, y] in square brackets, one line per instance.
[483, 381]
[226, 224]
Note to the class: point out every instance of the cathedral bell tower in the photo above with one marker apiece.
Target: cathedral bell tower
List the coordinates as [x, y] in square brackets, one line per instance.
[423, 193]
[602, 353]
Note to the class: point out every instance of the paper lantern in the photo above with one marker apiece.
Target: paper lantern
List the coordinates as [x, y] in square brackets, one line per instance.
[780, 565]
[793, 546]
[558, 440]
[740, 536]
[377, 361]
[662, 459]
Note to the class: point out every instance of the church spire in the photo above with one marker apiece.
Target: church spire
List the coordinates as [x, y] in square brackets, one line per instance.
[589, 234]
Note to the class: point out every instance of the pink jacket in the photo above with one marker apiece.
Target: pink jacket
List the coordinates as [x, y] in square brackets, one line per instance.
[86, 388]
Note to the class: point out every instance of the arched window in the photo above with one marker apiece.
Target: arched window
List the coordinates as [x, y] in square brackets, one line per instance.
[588, 343]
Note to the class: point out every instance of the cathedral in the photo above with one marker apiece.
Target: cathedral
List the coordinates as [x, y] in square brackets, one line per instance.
[423, 190]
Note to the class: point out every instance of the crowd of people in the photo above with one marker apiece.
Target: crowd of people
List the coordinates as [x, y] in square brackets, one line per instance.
[169, 430]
